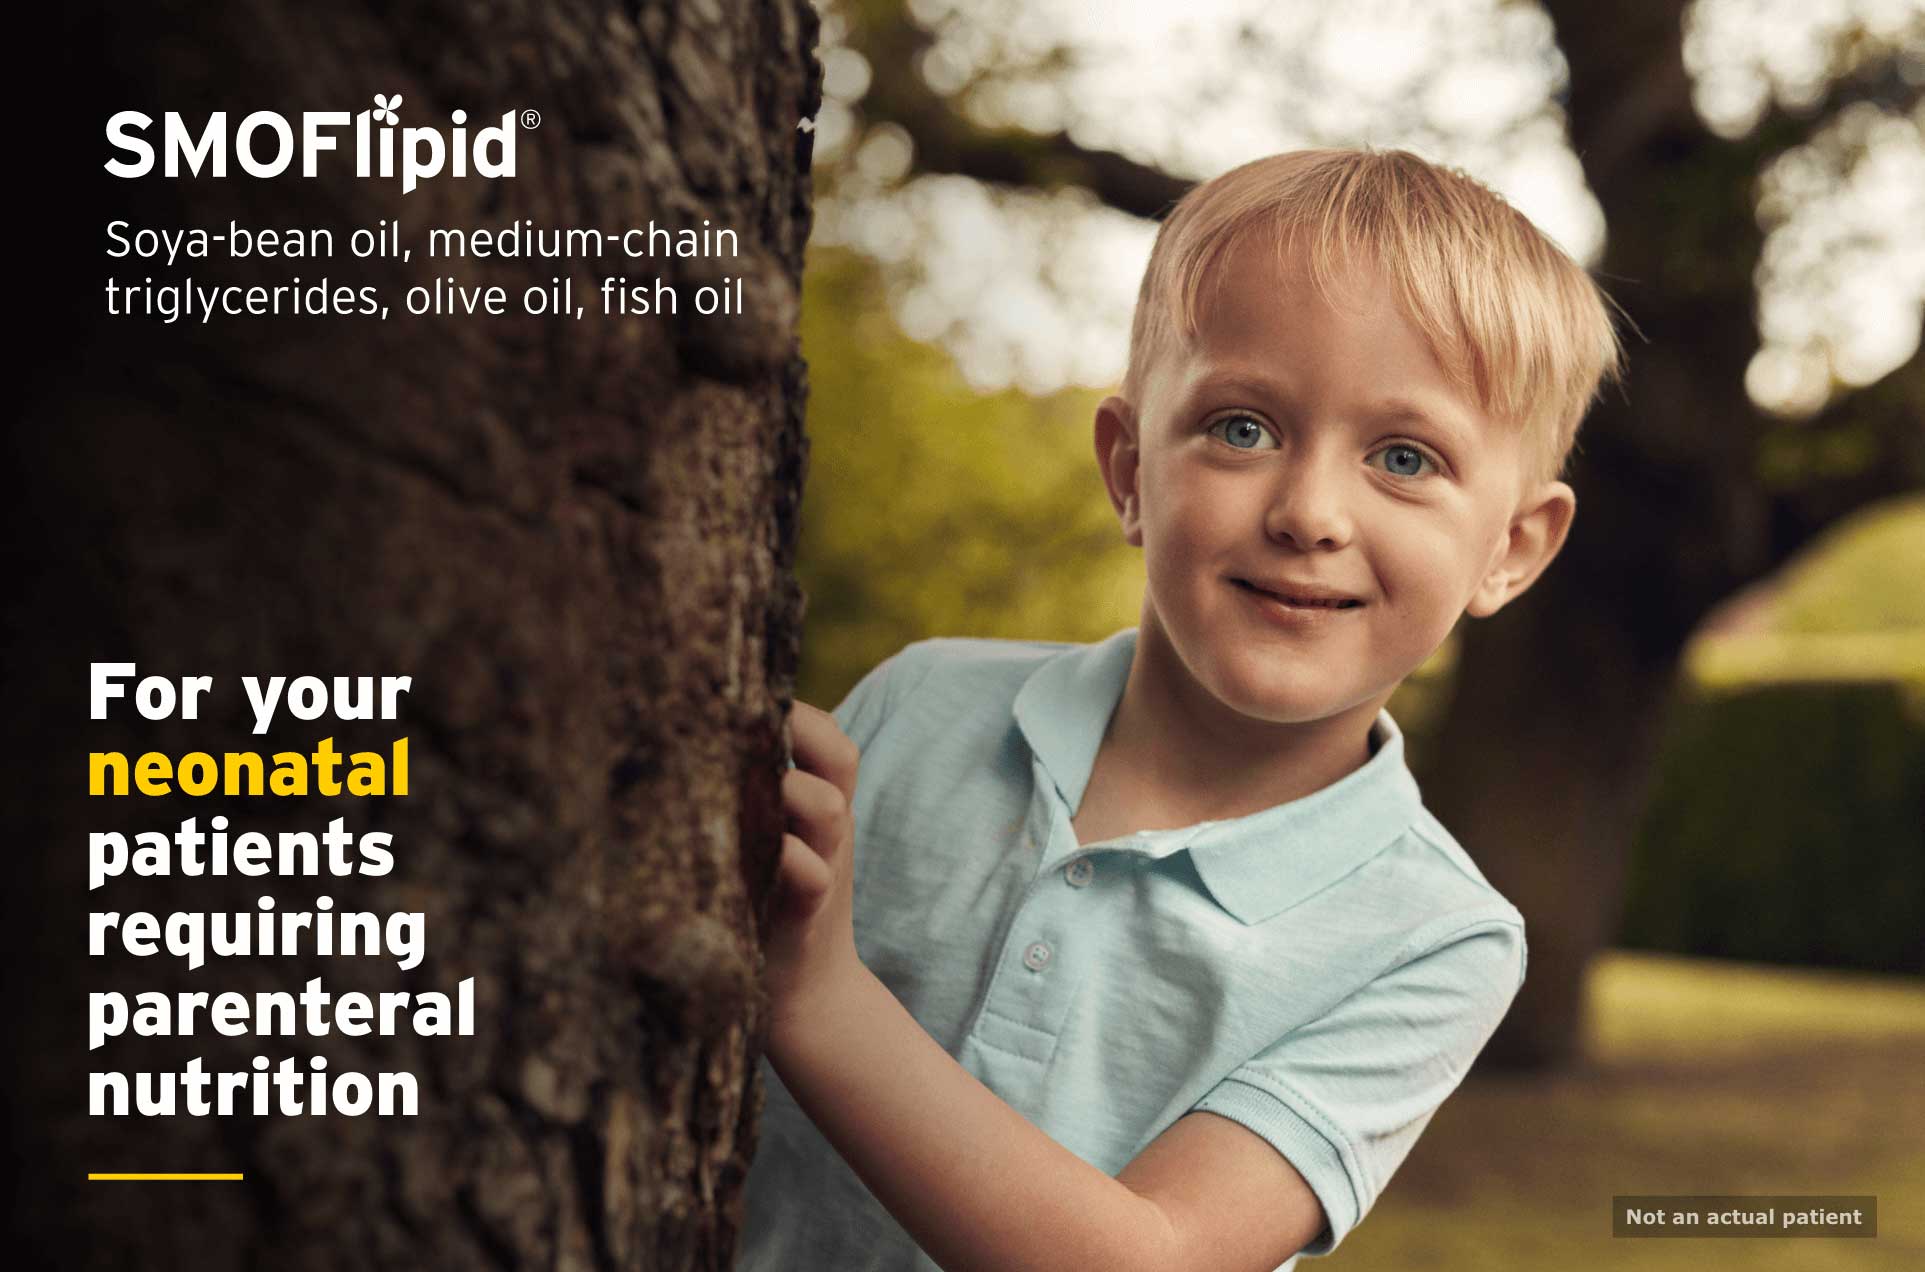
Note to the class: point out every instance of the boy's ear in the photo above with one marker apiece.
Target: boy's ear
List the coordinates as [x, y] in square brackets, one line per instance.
[1116, 455]
[1537, 531]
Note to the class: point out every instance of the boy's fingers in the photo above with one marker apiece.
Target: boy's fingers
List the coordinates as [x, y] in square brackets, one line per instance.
[822, 748]
[806, 878]
[816, 810]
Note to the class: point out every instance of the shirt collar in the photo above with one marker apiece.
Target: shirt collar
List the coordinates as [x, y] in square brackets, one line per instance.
[1255, 866]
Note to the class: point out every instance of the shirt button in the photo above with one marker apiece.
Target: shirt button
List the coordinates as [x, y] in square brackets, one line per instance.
[1036, 957]
[1079, 872]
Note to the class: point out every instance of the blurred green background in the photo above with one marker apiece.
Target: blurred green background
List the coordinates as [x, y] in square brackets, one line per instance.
[1754, 1018]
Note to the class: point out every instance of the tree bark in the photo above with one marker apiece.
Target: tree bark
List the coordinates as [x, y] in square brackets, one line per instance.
[575, 536]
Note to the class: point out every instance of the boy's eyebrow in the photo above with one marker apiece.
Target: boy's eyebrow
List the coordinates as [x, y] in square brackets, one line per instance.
[1445, 421]
[1238, 382]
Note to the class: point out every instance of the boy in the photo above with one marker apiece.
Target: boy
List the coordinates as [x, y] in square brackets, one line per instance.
[1150, 958]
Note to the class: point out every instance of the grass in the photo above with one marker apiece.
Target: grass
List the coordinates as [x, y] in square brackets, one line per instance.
[1702, 1077]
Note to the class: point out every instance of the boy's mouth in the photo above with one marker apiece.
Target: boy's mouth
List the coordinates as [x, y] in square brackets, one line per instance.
[1300, 597]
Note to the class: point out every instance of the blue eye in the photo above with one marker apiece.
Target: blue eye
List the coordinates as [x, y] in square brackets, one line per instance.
[1400, 460]
[1245, 432]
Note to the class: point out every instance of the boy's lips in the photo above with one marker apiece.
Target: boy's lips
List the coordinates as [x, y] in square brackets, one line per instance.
[1299, 595]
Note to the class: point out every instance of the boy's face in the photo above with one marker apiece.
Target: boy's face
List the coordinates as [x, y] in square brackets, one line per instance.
[1316, 503]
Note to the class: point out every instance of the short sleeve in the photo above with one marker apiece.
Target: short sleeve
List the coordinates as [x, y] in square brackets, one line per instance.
[1345, 1096]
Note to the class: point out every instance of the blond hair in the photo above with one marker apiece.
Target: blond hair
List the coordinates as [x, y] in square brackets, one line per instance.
[1516, 324]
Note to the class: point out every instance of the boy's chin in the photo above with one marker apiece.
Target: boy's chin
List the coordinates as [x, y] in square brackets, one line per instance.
[1313, 716]
[1259, 685]
[1299, 702]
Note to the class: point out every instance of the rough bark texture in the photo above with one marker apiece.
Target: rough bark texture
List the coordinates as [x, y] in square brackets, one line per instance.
[575, 536]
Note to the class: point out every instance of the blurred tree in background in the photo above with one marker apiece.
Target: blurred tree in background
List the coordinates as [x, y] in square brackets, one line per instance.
[1787, 823]
[1775, 382]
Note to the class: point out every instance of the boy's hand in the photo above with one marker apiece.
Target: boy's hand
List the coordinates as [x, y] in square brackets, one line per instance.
[810, 944]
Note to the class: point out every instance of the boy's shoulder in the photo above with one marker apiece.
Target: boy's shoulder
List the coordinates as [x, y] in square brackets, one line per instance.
[1450, 891]
[947, 664]
[956, 678]
[980, 654]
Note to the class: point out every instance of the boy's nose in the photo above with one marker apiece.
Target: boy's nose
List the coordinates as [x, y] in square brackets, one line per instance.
[1308, 508]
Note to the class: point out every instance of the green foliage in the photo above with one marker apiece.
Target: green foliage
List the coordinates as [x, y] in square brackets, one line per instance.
[1866, 574]
[933, 510]
[1848, 610]
[1788, 820]
[1788, 825]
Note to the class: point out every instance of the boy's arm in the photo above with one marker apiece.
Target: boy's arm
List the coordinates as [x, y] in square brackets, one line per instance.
[980, 1187]
[977, 1185]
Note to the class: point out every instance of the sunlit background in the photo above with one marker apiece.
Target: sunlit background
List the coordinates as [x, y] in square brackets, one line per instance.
[1034, 291]
[1757, 1027]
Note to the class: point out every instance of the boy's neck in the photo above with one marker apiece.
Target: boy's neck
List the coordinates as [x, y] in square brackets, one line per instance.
[1185, 757]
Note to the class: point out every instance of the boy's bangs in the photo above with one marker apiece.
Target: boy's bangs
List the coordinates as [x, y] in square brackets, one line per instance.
[1515, 324]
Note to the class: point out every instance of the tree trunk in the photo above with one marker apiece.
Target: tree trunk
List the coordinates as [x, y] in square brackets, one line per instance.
[575, 536]
[1542, 775]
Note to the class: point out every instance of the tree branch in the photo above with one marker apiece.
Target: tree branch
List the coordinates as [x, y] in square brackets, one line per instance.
[946, 141]
[1630, 89]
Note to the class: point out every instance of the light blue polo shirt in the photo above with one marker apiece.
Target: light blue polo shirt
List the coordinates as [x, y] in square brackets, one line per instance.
[1322, 972]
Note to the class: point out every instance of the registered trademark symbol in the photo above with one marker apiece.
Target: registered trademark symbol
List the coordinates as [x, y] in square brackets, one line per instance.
[531, 119]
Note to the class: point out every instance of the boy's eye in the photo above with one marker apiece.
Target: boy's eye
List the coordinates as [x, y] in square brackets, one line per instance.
[1245, 432]
[1400, 460]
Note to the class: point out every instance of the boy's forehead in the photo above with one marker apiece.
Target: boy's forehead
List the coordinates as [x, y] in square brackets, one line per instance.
[1258, 269]
[1260, 290]
[1261, 307]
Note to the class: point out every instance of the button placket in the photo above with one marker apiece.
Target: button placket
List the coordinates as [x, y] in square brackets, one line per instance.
[1033, 984]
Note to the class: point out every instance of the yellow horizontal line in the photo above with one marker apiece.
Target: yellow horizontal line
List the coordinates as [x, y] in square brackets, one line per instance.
[163, 1176]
